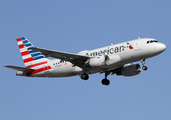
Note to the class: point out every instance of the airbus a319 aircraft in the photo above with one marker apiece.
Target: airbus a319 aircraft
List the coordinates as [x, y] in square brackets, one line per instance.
[114, 59]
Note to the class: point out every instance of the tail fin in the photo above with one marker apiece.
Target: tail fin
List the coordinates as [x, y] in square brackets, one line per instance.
[31, 58]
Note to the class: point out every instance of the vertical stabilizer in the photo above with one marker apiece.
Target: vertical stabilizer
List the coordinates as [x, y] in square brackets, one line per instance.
[31, 58]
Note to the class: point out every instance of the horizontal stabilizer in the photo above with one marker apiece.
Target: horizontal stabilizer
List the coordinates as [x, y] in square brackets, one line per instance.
[19, 68]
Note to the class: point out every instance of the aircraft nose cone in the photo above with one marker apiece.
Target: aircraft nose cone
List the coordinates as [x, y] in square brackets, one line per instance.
[162, 47]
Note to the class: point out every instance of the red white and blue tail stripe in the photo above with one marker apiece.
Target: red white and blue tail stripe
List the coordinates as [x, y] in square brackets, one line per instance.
[32, 59]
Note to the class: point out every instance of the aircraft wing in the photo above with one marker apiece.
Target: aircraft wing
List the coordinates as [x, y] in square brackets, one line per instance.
[73, 58]
[19, 68]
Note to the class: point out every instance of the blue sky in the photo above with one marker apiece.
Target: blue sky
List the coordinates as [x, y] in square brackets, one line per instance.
[73, 26]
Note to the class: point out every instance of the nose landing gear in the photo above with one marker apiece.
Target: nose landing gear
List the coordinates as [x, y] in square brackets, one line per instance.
[143, 63]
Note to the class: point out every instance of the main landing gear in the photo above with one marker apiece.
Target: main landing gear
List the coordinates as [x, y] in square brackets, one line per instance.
[105, 81]
[84, 76]
[143, 62]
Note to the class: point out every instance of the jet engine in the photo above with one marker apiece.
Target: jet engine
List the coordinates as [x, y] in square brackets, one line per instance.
[96, 61]
[130, 70]
[112, 59]
[103, 60]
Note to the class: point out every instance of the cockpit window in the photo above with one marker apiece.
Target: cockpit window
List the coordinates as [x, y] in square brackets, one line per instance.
[155, 41]
[151, 41]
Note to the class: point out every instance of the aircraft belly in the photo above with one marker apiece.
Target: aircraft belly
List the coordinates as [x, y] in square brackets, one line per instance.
[103, 69]
[40, 74]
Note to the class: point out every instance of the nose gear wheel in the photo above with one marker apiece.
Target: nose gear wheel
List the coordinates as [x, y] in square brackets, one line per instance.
[143, 63]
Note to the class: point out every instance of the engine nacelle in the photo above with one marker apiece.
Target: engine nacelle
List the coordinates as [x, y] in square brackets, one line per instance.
[130, 70]
[103, 60]
[112, 59]
[97, 61]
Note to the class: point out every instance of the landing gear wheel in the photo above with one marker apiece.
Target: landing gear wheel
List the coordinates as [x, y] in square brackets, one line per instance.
[144, 68]
[84, 76]
[105, 82]
[143, 63]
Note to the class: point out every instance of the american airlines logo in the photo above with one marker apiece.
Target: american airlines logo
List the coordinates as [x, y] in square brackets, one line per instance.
[111, 50]
[130, 46]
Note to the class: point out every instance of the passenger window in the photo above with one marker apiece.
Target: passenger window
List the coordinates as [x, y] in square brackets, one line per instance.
[148, 42]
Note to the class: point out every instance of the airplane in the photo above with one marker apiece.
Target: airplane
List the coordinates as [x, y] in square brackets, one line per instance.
[114, 59]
